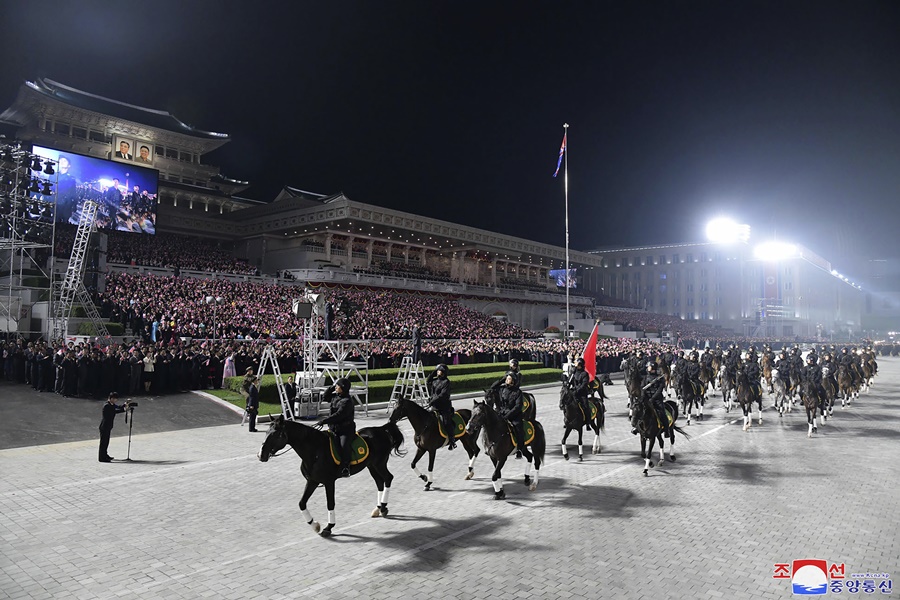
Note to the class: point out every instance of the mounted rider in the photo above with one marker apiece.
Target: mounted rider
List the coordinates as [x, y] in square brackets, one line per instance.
[652, 388]
[750, 368]
[812, 377]
[829, 365]
[579, 384]
[341, 420]
[513, 368]
[440, 402]
[846, 360]
[511, 402]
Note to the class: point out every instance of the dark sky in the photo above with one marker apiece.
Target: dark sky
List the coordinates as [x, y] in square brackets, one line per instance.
[783, 114]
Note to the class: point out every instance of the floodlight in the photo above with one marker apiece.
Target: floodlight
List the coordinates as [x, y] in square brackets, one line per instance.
[723, 230]
[774, 251]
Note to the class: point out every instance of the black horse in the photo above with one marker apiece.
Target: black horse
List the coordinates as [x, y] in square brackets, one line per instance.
[428, 436]
[746, 396]
[315, 449]
[649, 427]
[691, 395]
[575, 419]
[500, 444]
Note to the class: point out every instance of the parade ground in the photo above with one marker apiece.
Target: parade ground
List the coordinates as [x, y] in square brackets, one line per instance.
[195, 514]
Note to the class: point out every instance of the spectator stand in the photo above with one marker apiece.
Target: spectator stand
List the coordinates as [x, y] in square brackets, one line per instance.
[409, 385]
[333, 361]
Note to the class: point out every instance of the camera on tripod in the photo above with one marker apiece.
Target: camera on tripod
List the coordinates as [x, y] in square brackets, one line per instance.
[130, 404]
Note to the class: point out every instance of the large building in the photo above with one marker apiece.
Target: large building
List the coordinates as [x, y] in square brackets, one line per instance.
[333, 238]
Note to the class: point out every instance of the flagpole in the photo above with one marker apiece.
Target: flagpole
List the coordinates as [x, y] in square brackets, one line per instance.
[566, 177]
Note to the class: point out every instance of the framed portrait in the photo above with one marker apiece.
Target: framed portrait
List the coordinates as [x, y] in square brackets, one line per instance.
[143, 153]
[123, 148]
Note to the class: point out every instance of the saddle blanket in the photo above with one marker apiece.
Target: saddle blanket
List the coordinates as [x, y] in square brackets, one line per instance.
[528, 426]
[593, 412]
[459, 428]
[359, 449]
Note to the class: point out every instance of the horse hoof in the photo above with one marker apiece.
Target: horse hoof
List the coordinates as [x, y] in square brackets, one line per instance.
[646, 473]
[423, 477]
[532, 487]
[651, 464]
[470, 475]
[672, 458]
[580, 458]
[566, 456]
[376, 512]
[383, 509]
[527, 480]
[315, 526]
[501, 495]
[327, 531]
[428, 486]
[759, 422]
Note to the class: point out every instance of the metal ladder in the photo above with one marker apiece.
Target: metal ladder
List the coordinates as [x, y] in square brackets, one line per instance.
[410, 384]
[268, 356]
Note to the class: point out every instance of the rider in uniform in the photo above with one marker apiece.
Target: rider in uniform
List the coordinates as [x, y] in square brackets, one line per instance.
[751, 370]
[580, 386]
[783, 364]
[511, 409]
[513, 368]
[812, 377]
[692, 372]
[341, 420]
[652, 390]
[846, 360]
[440, 402]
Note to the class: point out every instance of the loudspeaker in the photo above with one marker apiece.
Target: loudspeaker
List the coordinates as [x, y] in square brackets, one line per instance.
[302, 310]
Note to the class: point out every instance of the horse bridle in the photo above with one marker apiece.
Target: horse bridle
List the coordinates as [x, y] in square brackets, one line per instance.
[287, 446]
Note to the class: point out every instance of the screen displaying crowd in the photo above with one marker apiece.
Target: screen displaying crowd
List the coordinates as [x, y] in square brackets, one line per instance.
[126, 195]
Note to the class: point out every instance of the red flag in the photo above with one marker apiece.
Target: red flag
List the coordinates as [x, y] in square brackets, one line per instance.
[590, 353]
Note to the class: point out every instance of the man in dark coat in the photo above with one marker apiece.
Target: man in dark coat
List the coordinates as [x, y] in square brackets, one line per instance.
[253, 402]
[110, 410]
[580, 385]
[511, 401]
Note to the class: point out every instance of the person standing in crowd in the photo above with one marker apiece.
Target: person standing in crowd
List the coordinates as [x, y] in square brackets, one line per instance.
[110, 410]
[341, 420]
[253, 403]
[440, 403]
[149, 370]
[416, 344]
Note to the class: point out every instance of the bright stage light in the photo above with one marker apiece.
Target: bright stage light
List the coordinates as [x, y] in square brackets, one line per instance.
[723, 230]
[775, 251]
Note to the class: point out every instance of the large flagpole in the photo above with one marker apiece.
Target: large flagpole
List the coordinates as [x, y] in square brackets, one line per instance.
[566, 177]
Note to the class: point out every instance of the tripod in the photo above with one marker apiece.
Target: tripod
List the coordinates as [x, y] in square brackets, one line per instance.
[130, 411]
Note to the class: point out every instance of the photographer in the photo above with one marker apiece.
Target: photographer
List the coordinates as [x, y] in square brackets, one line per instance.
[110, 410]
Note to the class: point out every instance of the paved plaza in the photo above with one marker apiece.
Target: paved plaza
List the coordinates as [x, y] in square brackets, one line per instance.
[196, 515]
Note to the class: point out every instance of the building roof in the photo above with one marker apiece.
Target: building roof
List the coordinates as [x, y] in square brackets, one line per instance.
[146, 116]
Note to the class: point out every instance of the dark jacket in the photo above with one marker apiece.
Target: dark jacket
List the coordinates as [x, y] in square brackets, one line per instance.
[440, 395]
[109, 415]
[580, 383]
[511, 403]
[341, 418]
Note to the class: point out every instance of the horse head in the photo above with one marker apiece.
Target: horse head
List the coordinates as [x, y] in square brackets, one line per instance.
[276, 439]
[479, 410]
[399, 411]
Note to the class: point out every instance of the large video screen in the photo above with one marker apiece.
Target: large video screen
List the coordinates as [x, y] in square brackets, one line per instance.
[126, 194]
[561, 277]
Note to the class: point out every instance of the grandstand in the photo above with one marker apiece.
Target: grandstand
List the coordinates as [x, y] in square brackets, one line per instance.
[455, 280]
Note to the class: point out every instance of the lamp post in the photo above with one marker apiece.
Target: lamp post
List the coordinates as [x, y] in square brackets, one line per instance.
[214, 300]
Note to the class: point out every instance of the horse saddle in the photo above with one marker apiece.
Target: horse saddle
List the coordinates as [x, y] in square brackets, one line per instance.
[529, 432]
[670, 414]
[593, 412]
[459, 427]
[359, 449]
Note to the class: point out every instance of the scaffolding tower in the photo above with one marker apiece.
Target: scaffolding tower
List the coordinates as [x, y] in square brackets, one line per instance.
[72, 285]
[27, 231]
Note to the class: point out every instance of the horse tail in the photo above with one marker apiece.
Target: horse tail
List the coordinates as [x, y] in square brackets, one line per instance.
[396, 437]
[601, 416]
[539, 445]
[681, 431]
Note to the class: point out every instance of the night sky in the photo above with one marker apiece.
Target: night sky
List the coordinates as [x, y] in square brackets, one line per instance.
[785, 115]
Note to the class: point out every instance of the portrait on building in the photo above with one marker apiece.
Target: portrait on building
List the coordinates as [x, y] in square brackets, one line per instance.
[123, 148]
[144, 153]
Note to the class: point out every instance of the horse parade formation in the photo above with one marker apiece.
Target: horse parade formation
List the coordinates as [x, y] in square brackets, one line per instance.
[661, 388]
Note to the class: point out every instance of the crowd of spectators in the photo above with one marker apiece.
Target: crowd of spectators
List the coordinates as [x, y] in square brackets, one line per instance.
[407, 271]
[167, 250]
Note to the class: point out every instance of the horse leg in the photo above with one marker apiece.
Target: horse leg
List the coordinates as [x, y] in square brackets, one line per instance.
[644, 446]
[662, 447]
[565, 449]
[420, 452]
[689, 409]
[430, 479]
[580, 445]
[499, 494]
[648, 464]
[329, 494]
[672, 443]
[595, 447]
[700, 411]
[472, 448]
[307, 493]
[745, 407]
[383, 479]
[759, 408]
